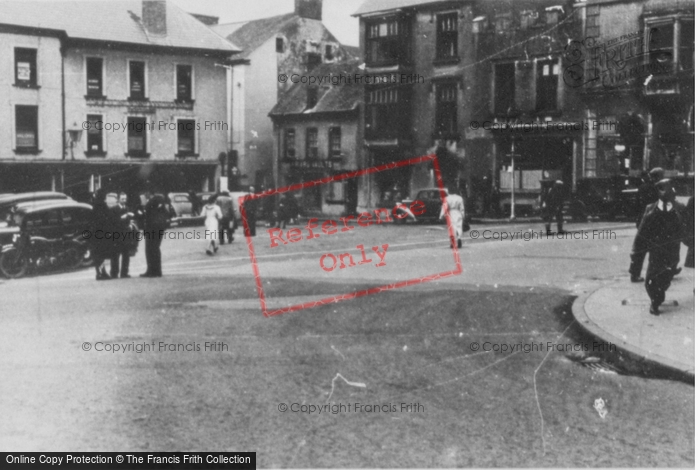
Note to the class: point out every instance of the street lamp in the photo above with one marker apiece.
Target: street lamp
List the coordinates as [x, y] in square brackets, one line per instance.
[74, 136]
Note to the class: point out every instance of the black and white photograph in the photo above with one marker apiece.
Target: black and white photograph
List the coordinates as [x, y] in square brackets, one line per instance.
[347, 234]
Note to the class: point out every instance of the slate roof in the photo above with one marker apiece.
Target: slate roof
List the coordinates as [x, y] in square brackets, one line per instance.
[112, 21]
[252, 34]
[331, 98]
[374, 6]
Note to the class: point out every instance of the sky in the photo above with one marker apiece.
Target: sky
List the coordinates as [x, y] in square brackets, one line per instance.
[336, 13]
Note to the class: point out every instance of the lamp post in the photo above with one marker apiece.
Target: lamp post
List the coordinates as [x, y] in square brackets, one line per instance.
[74, 135]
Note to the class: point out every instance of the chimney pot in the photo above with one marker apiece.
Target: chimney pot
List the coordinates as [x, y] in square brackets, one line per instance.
[154, 17]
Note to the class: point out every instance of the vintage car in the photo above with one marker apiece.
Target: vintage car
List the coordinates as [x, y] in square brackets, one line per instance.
[9, 201]
[425, 207]
[183, 209]
[45, 235]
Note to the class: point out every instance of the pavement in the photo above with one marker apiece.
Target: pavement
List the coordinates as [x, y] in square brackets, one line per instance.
[618, 313]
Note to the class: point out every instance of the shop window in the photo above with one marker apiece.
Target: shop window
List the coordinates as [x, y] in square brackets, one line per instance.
[661, 43]
[447, 36]
[26, 128]
[547, 82]
[25, 67]
[336, 191]
[93, 70]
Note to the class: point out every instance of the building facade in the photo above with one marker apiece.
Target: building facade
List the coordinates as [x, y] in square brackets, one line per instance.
[317, 136]
[292, 45]
[117, 95]
[635, 64]
[509, 94]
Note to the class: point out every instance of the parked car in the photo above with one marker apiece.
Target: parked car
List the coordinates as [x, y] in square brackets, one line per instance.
[9, 201]
[425, 207]
[45, 235]
[183, 209]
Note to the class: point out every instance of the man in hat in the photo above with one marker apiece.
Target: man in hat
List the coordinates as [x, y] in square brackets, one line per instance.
[660, 233]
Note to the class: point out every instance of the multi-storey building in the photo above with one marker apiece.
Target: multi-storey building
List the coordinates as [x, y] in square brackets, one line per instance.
[511, 93]
[289, 46]
[317, 135]
[634, 62]
[113, 94]
[455, 68]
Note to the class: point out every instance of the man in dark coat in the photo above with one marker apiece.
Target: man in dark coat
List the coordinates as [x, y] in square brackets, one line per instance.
[251, 212]
[660, 233]
[124, 241]
[554, 205]
[155, 220]
[103, 226]
[225, 202]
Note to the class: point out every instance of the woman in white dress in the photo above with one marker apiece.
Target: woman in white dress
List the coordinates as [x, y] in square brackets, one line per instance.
[212, 215]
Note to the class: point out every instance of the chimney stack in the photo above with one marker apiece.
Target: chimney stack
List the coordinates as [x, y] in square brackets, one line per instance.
[311, 9]
[154, 18]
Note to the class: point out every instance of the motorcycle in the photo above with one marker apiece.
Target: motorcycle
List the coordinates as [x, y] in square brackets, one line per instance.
[39, 253]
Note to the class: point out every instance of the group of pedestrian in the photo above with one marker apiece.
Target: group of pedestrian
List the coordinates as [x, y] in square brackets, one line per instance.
[219, 220]
[663, 225]
[109, 237]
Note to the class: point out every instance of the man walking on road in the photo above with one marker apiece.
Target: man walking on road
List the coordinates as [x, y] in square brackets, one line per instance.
[454, 204]
[660, 233]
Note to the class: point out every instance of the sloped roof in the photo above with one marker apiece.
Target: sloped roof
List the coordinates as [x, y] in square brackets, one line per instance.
[112, 21]
[331, 98]
[353, 51]
[374, 6]
[251, 35]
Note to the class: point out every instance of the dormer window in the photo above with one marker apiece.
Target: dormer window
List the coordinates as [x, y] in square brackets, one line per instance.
[503, 22]
[279, 45]
[329, 52]
[311, 97]
[528, 19]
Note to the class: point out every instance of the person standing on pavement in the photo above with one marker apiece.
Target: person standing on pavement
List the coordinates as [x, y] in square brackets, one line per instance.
[212, 217]
[660, 233]
[647, 193]
[124, 242]
[251, 212]
[225, 203]
[454, 205]
[156, 219]
[103, 226]
[553, 206]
